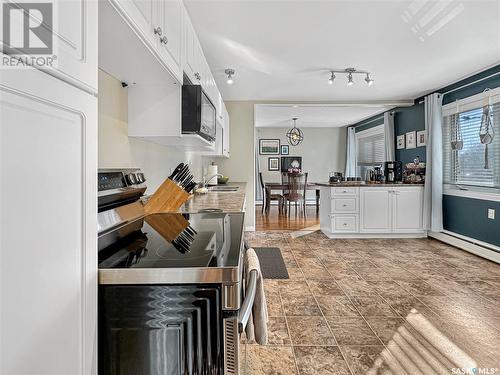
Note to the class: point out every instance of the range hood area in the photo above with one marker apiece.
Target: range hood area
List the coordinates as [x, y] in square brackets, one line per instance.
[154, 94]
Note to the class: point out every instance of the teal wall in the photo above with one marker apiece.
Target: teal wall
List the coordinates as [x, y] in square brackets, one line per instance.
[469, 217]
[409, 119]
[465, 216]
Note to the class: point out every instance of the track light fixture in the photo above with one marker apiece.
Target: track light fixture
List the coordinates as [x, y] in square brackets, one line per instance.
[230, 73]
[332, 78]
[368, 80]
[350, 82]
[350, 78]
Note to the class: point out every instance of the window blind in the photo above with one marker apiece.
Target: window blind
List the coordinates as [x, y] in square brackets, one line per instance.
[371, 147]
[467, 166]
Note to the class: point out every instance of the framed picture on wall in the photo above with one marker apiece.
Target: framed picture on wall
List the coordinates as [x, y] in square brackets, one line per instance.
[273, 164]
[411, 140]
[285, 149]
[400, 142]
[291, 163]
[421, 138]
[269, 146]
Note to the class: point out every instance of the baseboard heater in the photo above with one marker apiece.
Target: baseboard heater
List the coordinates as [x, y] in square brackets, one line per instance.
[471, 245]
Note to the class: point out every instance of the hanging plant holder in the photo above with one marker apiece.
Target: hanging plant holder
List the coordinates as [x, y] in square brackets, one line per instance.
[486, 130]
[457, 142]
[295, 135]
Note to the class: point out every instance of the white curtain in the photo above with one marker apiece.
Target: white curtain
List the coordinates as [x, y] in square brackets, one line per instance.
[350, 161]
[433, 192]
[390, 154]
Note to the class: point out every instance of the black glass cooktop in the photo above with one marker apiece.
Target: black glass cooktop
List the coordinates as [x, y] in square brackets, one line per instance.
[177, 241]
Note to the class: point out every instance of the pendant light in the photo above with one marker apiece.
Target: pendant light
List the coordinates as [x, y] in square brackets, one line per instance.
[295, 135]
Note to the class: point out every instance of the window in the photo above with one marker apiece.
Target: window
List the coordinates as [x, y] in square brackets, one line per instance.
[370, 146]
[467, 166]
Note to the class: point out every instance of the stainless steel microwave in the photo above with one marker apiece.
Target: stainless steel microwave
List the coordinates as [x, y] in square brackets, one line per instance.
[198, 112]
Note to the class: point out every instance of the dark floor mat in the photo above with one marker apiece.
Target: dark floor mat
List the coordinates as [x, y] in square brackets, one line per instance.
[272, 264]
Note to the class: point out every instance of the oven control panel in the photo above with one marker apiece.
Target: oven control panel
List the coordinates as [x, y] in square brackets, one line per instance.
[117, 180]
[110, 180]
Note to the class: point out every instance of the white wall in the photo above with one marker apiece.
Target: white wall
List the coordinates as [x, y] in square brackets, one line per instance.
[323, 150]
[117, 150]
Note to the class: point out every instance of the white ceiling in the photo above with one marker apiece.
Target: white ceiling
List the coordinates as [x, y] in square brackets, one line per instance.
[282, 50]
[313, 116]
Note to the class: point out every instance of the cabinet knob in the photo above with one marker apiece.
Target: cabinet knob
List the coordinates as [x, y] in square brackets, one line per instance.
[345, 224]
[164, 39]
[157, 30]
[344, 205]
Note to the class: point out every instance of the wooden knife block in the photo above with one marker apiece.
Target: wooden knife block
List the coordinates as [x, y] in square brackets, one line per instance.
[168, 226]
[167, 198]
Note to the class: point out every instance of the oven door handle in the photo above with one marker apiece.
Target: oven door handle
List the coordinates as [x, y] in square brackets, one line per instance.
[246, 306]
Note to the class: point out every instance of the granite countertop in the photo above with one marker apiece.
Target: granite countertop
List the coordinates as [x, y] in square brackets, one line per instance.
[227, 201]
[363, 184]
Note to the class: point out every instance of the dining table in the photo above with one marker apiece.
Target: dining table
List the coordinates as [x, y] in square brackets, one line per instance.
[269, 186]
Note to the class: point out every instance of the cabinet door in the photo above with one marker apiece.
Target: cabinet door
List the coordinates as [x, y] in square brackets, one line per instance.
[189, 46]
[140, 14]
[226, 134]
[74, 40]
[407, 209]
[375, 210]
[48, 168]
[169, 13]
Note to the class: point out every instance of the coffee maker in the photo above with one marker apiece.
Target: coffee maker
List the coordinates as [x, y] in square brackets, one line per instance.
[393, 171]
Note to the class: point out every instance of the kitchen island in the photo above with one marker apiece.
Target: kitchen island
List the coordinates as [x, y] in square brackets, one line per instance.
[225, 201]
[360, 210]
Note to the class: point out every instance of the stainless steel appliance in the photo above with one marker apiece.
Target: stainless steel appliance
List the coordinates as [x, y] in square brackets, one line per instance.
[336, 177]
[165, 311]
[374, 175]
[198, 112]
[393, 171]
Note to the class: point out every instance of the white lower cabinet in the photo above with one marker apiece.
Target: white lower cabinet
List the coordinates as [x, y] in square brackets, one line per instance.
[407, 209]
[372, 211]
[375, 210]
[344, 223]
[48, 267]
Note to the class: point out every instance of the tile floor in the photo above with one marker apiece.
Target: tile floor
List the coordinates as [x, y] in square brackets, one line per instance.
[346, 308]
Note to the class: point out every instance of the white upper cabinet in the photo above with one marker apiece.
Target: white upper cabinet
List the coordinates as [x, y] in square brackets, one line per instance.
[48, 134]
[74, 41]
[226, 134]
[159, 23]
[139, 13]
[168, 18]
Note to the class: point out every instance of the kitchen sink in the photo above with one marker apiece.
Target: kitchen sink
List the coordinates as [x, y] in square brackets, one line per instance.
[223, 188]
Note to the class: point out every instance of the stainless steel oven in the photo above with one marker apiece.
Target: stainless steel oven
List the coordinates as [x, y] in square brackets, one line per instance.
[165, 310]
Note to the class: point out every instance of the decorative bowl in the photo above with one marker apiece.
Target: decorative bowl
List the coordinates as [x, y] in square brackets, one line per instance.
[222, 180]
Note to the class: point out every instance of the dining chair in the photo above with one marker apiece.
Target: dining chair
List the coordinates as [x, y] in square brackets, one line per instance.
[297, 185]
[269, 197]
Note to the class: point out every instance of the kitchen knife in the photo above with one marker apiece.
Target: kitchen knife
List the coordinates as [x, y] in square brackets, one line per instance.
[187, 181]
[176, 171]
[183, 173]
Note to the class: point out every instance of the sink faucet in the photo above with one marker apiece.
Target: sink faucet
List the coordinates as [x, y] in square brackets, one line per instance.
[207, 180]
